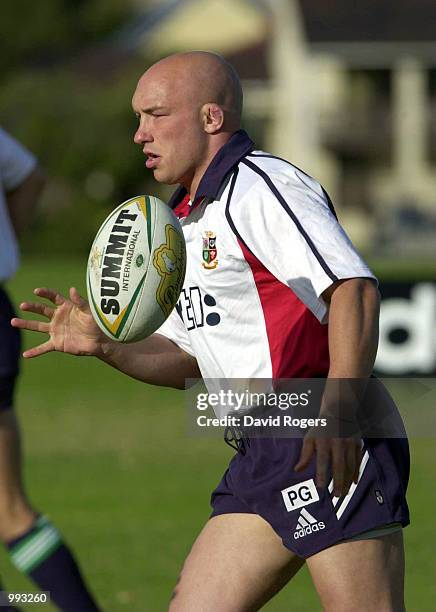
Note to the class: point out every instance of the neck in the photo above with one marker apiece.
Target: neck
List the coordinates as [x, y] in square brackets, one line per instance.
[215, 144]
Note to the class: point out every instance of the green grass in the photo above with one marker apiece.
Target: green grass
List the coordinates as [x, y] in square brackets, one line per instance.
[109, 460]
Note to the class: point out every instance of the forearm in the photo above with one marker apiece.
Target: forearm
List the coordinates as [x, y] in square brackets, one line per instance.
[155, 360]
[353, 329]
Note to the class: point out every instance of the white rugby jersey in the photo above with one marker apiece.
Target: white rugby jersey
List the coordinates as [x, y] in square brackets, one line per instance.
[263, 243]
[16, 163]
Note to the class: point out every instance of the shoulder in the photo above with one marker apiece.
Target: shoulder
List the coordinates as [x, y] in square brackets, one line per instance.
[265, 177]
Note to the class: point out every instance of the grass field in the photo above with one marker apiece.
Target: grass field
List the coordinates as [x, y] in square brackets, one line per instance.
[109, 460]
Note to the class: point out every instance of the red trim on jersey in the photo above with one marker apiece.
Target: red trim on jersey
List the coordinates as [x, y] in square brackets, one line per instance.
[183, 209]
[298, 342]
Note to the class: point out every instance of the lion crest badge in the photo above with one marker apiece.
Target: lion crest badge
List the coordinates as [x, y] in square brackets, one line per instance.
[210, 252]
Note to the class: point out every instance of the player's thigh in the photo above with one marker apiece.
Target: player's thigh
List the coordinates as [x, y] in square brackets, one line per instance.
[361, 576]
[236, 564]
[10, 452]
[10, 455]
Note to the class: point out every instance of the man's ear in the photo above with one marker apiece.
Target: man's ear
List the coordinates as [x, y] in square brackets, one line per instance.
[213, 117]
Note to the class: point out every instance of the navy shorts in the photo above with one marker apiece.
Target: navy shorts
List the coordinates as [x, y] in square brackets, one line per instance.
[307, 518]
[10, 349]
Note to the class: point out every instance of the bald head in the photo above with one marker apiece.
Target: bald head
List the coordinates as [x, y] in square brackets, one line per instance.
[203, 77]
[188, 106]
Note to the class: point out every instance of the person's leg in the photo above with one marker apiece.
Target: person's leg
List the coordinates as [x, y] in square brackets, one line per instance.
[361, 576]
[236, 564]
[35, 545]
[16, 515]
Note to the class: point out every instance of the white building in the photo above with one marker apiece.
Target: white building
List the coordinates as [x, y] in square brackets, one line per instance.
[344, 90]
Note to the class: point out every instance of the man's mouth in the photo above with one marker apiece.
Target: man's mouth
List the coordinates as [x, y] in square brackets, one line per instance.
[152, 160]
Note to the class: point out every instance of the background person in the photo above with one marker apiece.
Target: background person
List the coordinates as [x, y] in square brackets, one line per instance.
[35, 546]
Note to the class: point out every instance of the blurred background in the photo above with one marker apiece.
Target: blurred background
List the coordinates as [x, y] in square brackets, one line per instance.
[347, 91]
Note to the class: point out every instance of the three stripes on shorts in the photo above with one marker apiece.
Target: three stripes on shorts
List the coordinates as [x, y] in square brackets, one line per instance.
[340, 503]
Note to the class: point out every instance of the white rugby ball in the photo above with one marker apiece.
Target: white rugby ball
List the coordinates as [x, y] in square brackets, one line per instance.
[136, 269]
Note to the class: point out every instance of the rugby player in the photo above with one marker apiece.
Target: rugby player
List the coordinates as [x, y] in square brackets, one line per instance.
[35, 545]
[268, 267]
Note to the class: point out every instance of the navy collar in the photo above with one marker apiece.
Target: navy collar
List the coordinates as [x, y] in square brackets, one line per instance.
[225, 160]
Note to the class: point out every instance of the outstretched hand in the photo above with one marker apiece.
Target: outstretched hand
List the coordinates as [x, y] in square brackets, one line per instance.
[70, 324]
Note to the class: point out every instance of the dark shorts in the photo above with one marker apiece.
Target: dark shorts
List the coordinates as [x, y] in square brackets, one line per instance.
[10, 349]
[309, 519]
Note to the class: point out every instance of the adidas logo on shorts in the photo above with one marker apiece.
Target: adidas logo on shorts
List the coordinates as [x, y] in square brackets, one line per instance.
[307, 524]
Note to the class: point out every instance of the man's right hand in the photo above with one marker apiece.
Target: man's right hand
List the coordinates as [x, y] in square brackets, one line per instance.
[155, 360]
[70, 325]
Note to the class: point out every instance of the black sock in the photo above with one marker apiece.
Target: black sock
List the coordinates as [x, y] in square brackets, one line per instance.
[41, 554]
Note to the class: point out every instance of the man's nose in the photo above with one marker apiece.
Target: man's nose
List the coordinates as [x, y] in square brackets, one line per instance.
[141, 136]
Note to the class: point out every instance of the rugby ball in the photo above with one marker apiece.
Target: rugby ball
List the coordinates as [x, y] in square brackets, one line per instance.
[136, 269]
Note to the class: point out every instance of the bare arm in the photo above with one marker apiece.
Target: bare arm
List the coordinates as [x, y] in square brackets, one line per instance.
[71, 329]
[22, 200]
[353, 338]
[155, 360]
[353, 327]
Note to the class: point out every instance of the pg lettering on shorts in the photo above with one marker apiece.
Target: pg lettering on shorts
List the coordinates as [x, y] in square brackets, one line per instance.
[299, 495]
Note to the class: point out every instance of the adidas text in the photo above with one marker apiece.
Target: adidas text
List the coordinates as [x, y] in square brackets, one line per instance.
[300, 533]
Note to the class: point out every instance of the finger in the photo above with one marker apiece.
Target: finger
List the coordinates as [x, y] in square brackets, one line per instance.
[50, 294]
[338, 467]
[38, 308]
[77, 299]
[359, 457]
[41, 349]
[39, 326]
[322, 462]
[350, 466]
[305, 458]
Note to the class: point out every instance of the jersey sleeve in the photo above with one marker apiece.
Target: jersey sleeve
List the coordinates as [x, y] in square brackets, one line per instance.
[288, 224]
[16, 162]
[175, 330]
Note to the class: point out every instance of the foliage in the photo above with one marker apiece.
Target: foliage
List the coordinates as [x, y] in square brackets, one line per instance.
[48, 32]
[66, 95]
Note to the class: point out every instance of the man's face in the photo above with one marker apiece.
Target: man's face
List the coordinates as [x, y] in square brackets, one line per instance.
[170, 127]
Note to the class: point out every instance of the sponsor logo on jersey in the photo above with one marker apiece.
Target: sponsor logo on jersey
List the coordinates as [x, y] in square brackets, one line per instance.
[194, 308]
[210, 253]
[307, 525]
[299, 495]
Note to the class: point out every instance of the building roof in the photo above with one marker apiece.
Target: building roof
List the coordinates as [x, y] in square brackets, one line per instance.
[369, 20]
